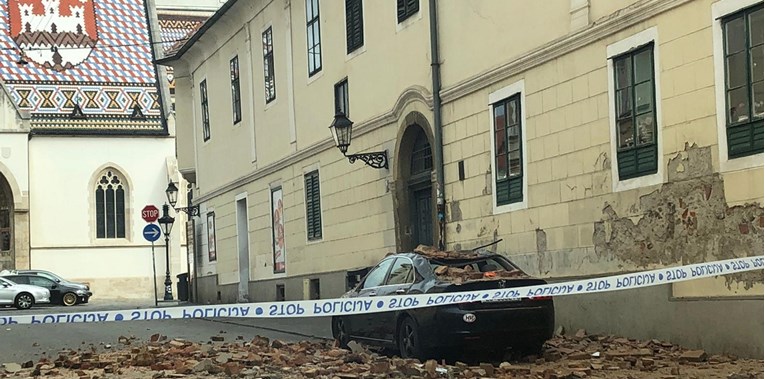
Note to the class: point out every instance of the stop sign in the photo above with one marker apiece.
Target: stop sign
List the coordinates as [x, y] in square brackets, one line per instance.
[150, 213]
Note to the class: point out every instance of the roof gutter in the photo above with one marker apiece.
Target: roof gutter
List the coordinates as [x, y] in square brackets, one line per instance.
[198, 34]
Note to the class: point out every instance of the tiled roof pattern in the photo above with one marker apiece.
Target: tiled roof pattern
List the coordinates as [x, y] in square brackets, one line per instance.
[175, 30]
[116, 75]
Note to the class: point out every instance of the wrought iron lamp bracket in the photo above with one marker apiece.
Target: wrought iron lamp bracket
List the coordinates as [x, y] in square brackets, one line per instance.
[376, 159]
[191, 211]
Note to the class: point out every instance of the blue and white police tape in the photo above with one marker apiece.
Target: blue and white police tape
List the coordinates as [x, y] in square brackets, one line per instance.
[360, 305]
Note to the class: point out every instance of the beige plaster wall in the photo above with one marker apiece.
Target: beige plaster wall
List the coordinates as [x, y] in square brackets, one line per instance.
[570, 198]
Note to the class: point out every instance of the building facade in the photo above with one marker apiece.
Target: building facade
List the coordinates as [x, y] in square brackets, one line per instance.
[621, 136]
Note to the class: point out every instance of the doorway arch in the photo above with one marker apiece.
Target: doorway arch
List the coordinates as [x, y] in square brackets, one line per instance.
[414, 197]
[7, 256]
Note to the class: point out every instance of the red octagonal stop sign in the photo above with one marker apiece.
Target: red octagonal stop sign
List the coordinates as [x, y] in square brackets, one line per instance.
[150, 213]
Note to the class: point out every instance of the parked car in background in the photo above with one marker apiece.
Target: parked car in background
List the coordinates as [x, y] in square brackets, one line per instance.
[22, 296]
[50, 275]
[492, 326]
[61, 292]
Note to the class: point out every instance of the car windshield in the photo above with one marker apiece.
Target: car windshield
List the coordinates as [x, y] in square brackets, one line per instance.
[474, 268]
[6, 281]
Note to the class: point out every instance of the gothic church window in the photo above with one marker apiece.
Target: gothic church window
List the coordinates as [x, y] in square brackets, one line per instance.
[110, 194]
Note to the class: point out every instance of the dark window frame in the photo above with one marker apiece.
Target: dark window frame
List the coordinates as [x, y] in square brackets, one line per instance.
[236, 93]
[745, 137]
[313, 216]
[640, 158]
[354, 25]
[510, 187]
[268, 65]
[406, 9]
[342, 104]
[313, 24]
[204, 101]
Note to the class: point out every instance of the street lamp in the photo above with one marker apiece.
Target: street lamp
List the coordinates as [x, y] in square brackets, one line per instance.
[166, 221]
[341, 129]
[172, 198]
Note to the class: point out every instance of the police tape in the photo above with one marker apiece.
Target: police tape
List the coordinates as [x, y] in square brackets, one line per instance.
[362, 305]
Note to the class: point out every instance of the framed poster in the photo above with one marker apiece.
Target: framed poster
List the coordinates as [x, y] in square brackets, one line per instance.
[211, 253]
[277, 226]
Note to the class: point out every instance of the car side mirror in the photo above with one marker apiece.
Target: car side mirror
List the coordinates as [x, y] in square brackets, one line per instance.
[53, 287]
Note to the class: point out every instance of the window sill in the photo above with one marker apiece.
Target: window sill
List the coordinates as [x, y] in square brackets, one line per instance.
[742, 163]
[314, 77]
[408, 21]
[635, 183]
[356, 53]
[500, 209]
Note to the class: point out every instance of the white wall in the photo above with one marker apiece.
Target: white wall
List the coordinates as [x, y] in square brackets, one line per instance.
[13, 162]
[62, 210]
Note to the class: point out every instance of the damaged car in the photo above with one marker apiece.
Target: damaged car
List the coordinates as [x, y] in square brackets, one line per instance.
[490, 326]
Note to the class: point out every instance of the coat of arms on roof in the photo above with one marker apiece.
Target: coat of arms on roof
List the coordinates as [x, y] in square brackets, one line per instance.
[57, 34]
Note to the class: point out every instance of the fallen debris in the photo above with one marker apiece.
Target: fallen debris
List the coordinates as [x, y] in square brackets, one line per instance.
[580, 356]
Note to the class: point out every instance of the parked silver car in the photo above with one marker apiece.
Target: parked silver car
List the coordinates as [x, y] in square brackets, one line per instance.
[22, 296]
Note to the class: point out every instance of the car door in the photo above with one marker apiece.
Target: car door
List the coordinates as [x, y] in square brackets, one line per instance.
[40, 281]
[361, 325]
[398, 282]
[7, 293]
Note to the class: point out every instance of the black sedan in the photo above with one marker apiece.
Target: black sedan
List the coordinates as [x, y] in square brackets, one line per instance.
[62, 293]
[492, 326]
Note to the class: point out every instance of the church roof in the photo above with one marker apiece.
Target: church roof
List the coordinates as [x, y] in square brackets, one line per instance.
[91, 58]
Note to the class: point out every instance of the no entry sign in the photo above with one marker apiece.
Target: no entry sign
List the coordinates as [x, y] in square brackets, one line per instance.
[150, 213]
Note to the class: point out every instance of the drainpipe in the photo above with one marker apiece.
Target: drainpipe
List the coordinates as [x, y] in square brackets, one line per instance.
[435, 66]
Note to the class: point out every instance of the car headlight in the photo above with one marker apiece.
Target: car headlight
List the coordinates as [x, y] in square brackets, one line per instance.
[80, 292]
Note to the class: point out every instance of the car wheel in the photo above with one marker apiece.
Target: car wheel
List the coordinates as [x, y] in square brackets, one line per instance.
[341, 333]
[69, 299]
[409, 344]
[24, 301]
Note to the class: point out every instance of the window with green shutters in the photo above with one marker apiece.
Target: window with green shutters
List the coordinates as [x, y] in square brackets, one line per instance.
[508, 151]
[742, 41]
[637, 150]
[407, 8]
[354, 25]
[312, 206]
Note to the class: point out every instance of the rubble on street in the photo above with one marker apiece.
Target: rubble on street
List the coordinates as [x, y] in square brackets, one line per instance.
[570, 357]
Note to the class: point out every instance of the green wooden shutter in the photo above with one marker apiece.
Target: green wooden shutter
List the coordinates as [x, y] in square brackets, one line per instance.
[354, 24]
[313, 206]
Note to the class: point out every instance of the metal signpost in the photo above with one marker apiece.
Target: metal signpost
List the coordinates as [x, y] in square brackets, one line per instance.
[151, 233]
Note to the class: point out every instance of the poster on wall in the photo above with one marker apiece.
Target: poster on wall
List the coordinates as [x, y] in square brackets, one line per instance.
[211, 237]
[277, 225]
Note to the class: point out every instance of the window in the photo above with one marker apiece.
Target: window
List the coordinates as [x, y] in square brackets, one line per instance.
[376, 277]
[402, 272]
[314, 289]
[314, 36]
[110, 205]
[341, 97]
[354, 25]
[742, 41]
[236, 94]
[41, 282]
[6, 213]
[205, 110]
[407, 8]
[280, 295]
[634, 89]
[268, 65]
[312, 206]
[508, 173]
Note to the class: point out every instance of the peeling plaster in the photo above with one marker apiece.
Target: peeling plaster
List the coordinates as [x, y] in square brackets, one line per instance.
[686, 221]
[455, 213]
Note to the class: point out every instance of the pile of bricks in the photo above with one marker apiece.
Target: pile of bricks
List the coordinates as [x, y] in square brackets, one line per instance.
[578, 356]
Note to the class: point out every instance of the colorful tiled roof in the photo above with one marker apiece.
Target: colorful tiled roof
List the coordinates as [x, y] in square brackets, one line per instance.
[91, 54]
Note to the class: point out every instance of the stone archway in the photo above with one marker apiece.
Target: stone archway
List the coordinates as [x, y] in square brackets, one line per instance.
[7, 256]
[415, 210]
